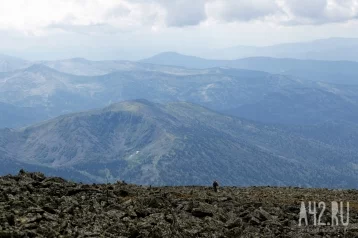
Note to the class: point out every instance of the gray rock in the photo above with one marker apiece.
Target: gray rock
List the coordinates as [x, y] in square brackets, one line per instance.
[80, 210]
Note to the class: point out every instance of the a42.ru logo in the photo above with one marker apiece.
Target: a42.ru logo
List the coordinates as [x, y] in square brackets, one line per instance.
[318, 214]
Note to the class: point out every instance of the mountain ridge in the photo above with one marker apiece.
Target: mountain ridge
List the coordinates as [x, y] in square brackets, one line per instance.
[340, 72]
[232, 91]
[150, 143]
[320, 49]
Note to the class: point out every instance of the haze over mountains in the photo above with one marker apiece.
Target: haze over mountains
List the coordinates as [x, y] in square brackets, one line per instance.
[335, 49]
[249, 121]
[9, 63]
[341, 72]
[15, 116]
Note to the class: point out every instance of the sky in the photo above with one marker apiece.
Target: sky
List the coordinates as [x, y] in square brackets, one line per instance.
[134, 29]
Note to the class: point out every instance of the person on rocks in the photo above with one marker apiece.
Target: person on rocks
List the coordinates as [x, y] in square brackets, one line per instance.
[215, 186]
[22, 172]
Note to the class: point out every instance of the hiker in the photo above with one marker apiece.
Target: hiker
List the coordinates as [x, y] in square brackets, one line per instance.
[215, 186]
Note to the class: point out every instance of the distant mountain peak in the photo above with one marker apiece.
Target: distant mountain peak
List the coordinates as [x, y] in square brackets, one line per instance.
[175, 59]
[138, 106]
[171, 54]
[77, 59]
[134, 101]
[10, 63]
[39, 68]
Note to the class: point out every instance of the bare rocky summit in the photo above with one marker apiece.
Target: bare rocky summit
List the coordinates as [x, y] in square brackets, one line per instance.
[33, 205]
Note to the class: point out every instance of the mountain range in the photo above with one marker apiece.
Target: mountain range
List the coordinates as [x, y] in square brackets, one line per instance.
[256, 95]
[250, 121]
[338, 72]
[177, 143]
[9, 63]
[335, 49]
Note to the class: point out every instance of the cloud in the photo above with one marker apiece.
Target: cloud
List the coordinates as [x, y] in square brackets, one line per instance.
[306, 8]
[90, 29]
[119, 10]
[283, 12]
[308, 12]
[40, 16]
[111, 16]
[183, 13]
[241, 10]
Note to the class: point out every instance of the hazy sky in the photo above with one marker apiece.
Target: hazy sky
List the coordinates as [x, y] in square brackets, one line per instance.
[132, 29]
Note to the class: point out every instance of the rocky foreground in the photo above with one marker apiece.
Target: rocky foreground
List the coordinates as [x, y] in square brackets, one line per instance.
[32, 205]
